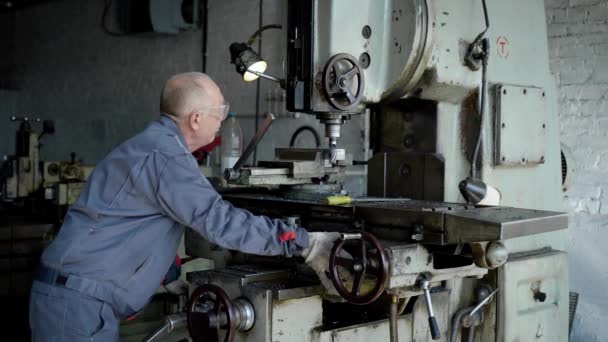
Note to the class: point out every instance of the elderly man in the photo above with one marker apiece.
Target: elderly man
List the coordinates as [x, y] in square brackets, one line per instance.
[120, 238]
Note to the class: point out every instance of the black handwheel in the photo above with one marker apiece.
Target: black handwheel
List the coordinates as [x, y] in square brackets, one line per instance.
[210, 315]
[368, 261]
[343, 81]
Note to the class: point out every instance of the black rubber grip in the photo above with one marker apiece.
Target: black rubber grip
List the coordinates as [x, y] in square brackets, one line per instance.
[435, 333]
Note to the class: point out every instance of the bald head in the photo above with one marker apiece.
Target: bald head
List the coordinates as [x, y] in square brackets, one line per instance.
[187, 92]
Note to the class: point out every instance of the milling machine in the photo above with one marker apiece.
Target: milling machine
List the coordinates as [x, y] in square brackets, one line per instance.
[32, 187]
[463, 113]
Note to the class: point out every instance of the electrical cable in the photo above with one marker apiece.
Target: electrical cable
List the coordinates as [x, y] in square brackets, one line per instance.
[104, 15]
[482, 110]
[298, 131]
[257, 85]
[485, 52]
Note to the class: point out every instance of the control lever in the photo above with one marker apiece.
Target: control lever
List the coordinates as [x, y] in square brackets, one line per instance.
[234, 172]
[482, 303]
[172, 323]
[425, 284]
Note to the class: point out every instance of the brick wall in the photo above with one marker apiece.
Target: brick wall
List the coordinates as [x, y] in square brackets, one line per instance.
[578, 46]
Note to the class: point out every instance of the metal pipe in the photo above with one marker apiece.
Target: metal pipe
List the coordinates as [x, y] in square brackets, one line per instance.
[393, 318]
[471, 335]
[456, 319]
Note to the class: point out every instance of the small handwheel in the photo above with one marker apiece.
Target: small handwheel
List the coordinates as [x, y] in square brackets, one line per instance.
[343, 81]
[210, 315]
[367, 266]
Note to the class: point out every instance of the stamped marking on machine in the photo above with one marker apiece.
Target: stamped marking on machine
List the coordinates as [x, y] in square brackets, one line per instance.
[502, 47]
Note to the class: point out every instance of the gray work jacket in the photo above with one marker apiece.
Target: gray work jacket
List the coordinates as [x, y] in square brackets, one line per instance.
[120, 237]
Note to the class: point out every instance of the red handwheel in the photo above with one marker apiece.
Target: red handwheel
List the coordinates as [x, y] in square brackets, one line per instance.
[210, 315]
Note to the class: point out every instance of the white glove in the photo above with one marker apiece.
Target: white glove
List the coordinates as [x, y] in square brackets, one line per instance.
[177, 287]
[317, 256]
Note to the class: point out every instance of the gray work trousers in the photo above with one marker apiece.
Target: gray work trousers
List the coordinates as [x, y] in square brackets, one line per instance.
[61, 314]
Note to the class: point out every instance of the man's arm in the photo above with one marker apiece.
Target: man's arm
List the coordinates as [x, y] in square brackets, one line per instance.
[186, 196]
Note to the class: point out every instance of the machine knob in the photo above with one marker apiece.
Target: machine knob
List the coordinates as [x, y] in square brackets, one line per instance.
[425, 284]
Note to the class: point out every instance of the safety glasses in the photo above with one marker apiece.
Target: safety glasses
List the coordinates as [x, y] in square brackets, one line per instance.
[218, 112]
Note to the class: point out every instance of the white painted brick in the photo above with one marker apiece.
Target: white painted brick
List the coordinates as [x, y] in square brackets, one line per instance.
[584, 92]
[556, 30]
[592, 39]
[600, 49]
[556, 3]
[603, 124]
[600, 67]
[558, 15]
[598, 12]
[575, 3]
[577, 14]
[586, 28]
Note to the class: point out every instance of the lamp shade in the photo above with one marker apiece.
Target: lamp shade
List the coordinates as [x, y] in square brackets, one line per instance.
[245, 60]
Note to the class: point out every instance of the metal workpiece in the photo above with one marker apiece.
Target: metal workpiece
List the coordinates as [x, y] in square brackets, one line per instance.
[297, 166]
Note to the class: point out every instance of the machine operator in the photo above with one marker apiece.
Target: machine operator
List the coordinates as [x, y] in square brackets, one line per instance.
[121, 236]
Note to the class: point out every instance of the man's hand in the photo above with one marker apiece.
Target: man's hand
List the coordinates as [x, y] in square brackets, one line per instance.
[317, 256]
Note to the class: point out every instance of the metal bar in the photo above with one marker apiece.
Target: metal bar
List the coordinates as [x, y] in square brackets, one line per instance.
[482, 303]
[393, 319]
[262, 75]
[234, 171]
[350, 236]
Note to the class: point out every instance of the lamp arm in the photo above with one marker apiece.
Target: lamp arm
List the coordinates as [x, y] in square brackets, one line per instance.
[257, 33]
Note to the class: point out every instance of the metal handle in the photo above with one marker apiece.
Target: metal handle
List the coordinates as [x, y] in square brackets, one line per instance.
[482, 303]
[435, 333]
[351, 236]
[233, 173]
[172, 322]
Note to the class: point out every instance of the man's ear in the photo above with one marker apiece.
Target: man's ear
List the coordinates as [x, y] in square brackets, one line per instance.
[194, 120]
